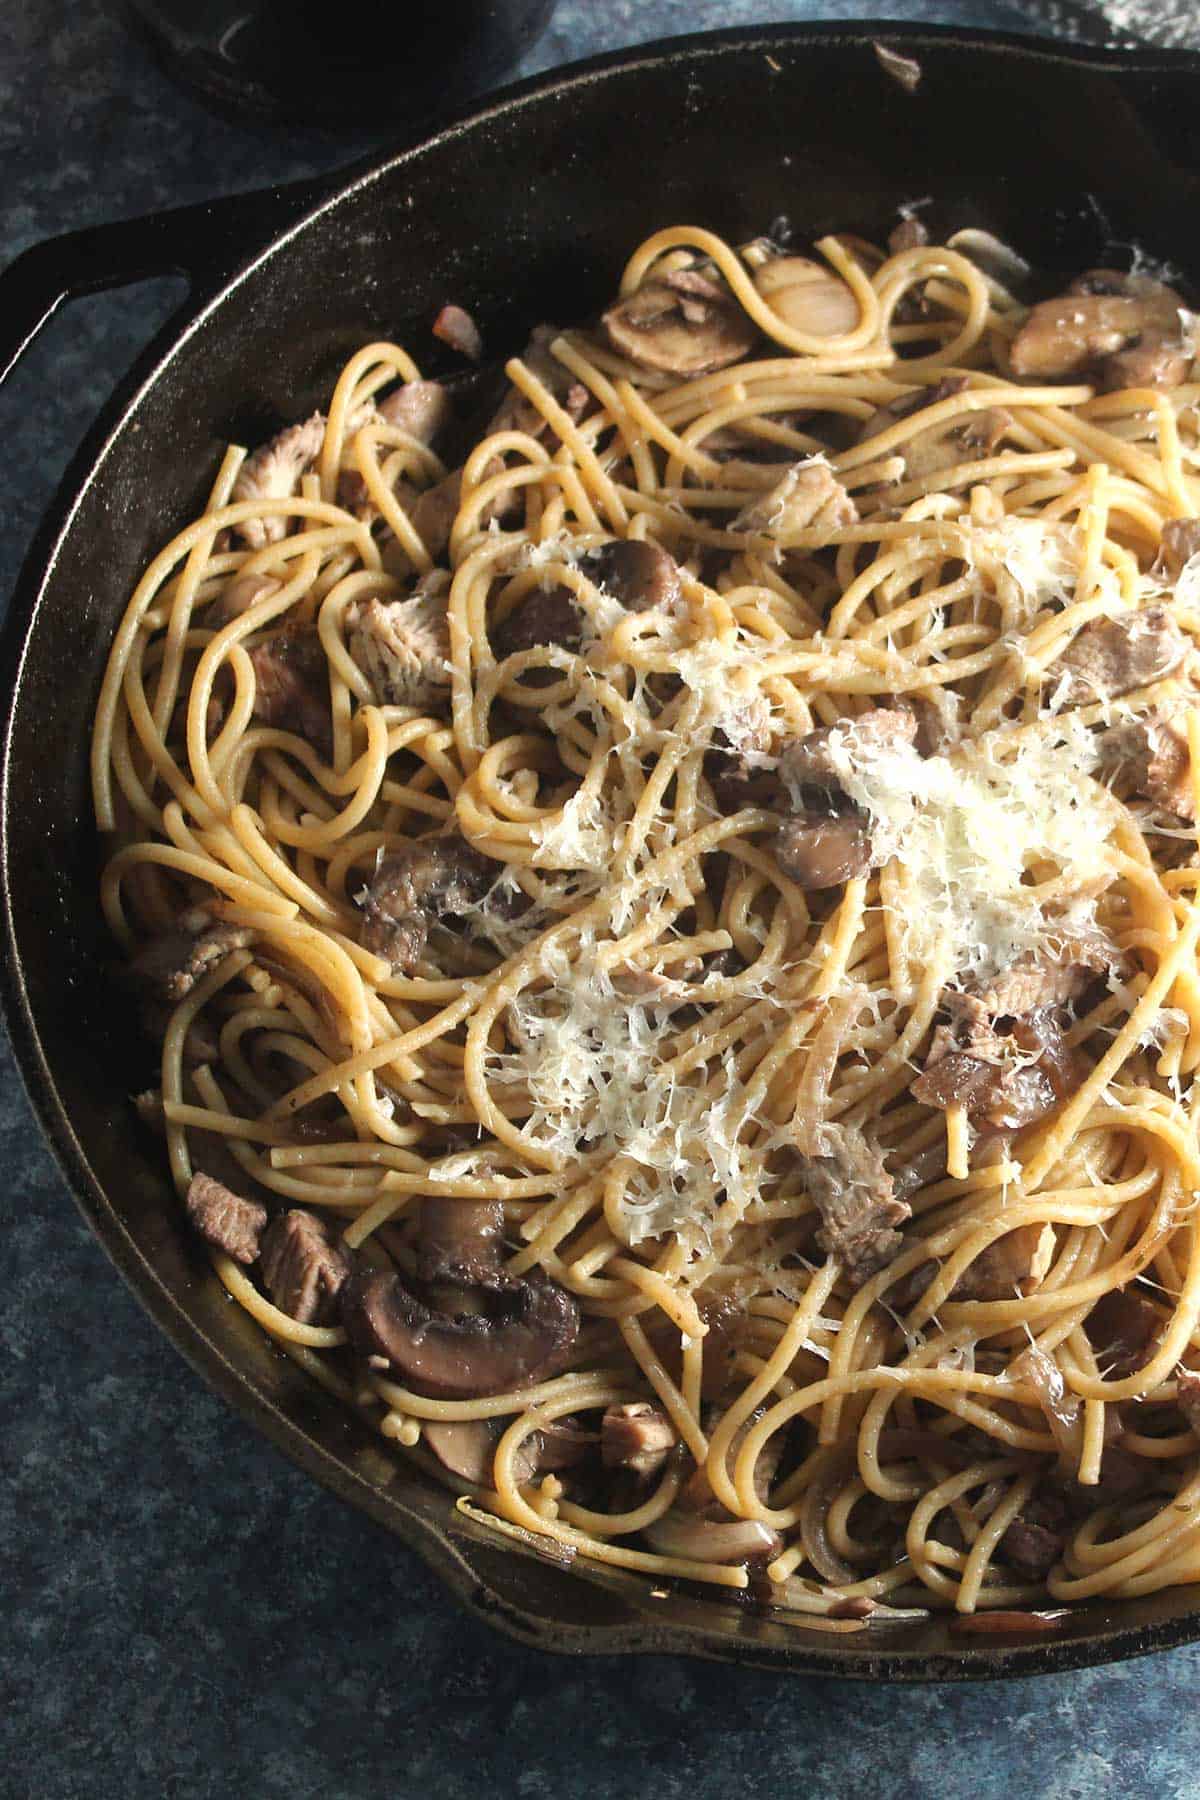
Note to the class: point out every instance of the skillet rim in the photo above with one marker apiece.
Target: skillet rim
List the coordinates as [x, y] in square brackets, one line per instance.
[300, 205]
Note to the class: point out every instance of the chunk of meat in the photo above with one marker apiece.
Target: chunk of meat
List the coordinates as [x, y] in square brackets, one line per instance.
[855, 1197]
[239, 595]
[808, 496]
[518, 413]
[273, 473]
[1110, 657]
[1187, 1395]
[403, 646]
[909, 234]
[170, 966]
[1051, 976]
[291, 686]
[967, 437]
[1125, 330]
[1123, 1330]
[684, 323]
[430, 878]
[1180, 541]
[1152, 755]
[1005, 1081]
[805, 295]
[303, 1269]
[1014, 1264]
[1032, 1548]
[423, 409]
[636, 1436]
[224, 1219]
[455, 326]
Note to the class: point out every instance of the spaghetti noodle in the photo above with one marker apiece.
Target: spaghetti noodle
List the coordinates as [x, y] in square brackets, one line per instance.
[687, 921]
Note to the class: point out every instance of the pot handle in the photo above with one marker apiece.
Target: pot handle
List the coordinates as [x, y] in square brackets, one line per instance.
[204, 243]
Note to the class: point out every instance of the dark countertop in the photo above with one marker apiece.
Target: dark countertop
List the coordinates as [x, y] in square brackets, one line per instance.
[186, 1614]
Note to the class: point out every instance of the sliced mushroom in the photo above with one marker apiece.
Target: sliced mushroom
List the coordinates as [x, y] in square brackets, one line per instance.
[1127, 330]
[939, 447]
[462, 1242]
[806, 296]
[455, 326]
[291, 686]
[525, 1335]
[273, 473]
[697, 1539]
[909, 234]
[467, 1447]
[684, 323]
[821, 850]
[638, 574]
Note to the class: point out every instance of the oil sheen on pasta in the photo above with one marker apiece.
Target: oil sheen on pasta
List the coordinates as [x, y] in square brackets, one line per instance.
[873, 1271]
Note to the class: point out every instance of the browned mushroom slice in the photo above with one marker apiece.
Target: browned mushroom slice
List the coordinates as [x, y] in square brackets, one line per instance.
[304, 1271]
[808, 496]
[855, 1197]
[1126, 329]
[467, 1447]
[462, 1242]
[431, 878]
[685, 323]
[1111, 657]
[224, 1218]
[455, 326]
[806, 296]
[403, 646]
[525, 1335]
[909, 234]
[639, 574]
[273, 473]
[814, 761]
[1005, 1081]
[939, 447]
[636, 1436]
[1036, 1539]
[821, 850]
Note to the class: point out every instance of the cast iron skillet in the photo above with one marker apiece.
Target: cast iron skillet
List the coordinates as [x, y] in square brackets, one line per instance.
[524, 210]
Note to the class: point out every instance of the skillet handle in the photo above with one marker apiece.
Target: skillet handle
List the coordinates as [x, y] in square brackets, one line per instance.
[204, 243]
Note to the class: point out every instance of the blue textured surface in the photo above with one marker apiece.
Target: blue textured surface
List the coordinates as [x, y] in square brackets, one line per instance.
[188, 1616]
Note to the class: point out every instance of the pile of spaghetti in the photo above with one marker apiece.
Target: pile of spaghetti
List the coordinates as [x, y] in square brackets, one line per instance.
[671, 920]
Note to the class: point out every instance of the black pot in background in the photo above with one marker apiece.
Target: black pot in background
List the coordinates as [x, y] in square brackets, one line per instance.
[312, 63]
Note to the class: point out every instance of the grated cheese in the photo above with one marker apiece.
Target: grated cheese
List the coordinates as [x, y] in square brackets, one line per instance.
[967, 827]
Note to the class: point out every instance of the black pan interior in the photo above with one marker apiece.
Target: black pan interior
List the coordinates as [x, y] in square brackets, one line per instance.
[523, 214]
